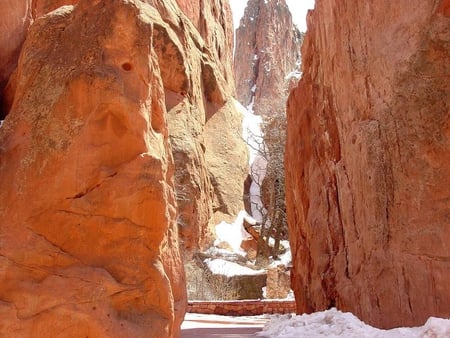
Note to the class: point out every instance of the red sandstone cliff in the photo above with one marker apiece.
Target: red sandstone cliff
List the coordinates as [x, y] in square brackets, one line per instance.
[204, 126]
[109, 102]
[204, 162]
[267, 50]
[367, 161]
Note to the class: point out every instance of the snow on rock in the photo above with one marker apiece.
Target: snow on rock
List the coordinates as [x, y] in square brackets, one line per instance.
[334, 323]
[234, 233]
[230, 269]
[252, 134]
[285, 258]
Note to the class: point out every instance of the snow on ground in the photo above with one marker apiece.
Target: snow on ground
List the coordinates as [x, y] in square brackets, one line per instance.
[196, 320]
[230, 269]
[334, 323]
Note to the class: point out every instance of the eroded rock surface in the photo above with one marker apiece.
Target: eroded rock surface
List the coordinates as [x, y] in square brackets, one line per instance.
[87, 208]
[16, 18]
[196, 69]
[204, 125]
[267, 50]
[367, 162]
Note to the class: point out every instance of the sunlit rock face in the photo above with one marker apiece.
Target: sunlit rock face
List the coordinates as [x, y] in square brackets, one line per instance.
[267, 50]
[204, 126]
[121, 134]
[88, 215]
[16, 18]
[367, 162]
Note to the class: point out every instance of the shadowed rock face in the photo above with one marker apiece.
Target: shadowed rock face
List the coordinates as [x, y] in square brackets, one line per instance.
[367, 162]
[88, 233]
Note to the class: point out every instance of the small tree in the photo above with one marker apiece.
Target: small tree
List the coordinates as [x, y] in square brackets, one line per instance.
[268, 176]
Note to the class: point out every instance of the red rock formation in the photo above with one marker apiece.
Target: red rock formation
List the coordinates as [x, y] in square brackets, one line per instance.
[267, 49]
[88, 232]
[367, 162]
[267, 52]
[87, 209]
[16, 19]
[205, 192]
[204, 126]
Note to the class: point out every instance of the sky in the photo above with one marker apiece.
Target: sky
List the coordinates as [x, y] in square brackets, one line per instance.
[298, 8]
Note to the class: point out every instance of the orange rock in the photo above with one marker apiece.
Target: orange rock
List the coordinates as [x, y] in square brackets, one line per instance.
[367, 162]
[88, 233]
[200, 86]
[16, 18]
[204, 125]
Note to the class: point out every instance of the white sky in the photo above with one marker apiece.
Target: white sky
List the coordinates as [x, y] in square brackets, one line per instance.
[298, 8]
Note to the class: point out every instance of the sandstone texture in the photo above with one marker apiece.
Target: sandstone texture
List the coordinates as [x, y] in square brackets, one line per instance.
[267, 50]
[367, 161]
[204, 125]
[121, 136]
[89, 243]
[16, 18]
[210, 157]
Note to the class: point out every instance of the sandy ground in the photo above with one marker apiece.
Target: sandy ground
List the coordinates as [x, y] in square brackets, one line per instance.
[199, 325]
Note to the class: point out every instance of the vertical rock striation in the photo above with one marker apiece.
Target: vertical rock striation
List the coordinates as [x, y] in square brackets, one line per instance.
[267, 50]
[367, 161]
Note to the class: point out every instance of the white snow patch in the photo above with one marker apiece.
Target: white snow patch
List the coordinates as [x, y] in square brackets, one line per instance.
[229, 269]
[293, 75]
[284, 259]
[252, 134]
[334, 323]
[234, 233]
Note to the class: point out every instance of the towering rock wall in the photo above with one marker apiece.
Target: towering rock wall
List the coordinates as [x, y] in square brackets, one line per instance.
[367, 161]
[204, 126]
[109, 102]
[87, 207]
[267, 49]
[204, 162]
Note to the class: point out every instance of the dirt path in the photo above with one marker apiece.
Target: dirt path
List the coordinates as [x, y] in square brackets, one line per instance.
[198, 325]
